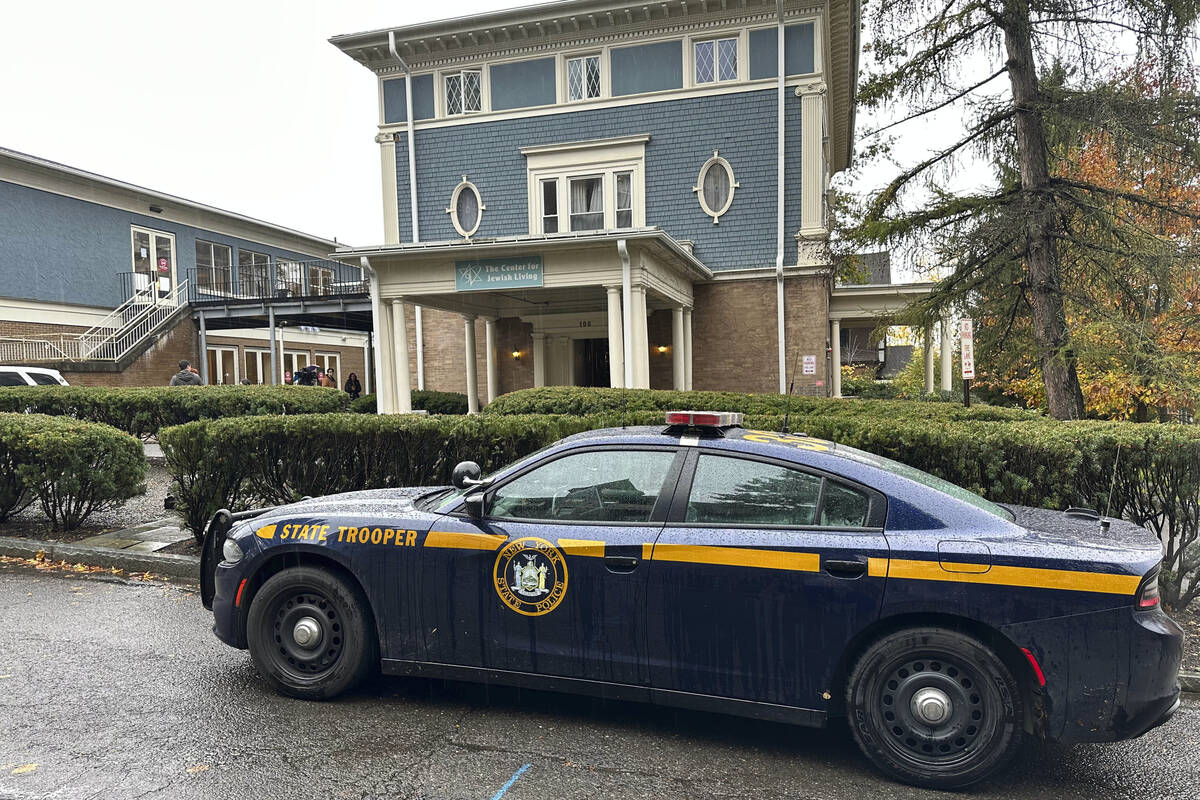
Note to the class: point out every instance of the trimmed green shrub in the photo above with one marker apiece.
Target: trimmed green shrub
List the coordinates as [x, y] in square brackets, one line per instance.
[587, 401]
[15, 494]
[243, 462]
[422, 400]
[74, 468]
[142, 411]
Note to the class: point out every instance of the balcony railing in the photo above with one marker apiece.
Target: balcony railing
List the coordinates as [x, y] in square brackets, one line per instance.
[302, 280]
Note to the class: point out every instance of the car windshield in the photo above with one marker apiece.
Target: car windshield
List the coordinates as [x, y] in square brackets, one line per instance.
[923, 478]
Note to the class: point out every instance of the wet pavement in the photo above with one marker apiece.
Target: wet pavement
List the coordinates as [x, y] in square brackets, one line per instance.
[111, 689]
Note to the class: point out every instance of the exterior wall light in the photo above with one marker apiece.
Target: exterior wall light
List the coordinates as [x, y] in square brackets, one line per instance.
[516, 355]
[662, 349]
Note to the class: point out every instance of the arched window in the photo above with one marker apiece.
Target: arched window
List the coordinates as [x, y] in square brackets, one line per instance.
[466, 208]
[714, 187]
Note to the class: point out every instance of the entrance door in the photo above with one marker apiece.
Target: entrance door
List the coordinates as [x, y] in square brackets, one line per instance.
[223, 365]
[153, 264]
[592, 356]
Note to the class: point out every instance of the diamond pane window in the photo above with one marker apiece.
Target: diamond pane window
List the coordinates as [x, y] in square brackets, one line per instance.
[472, 95]
[706, 62]
[454, 94]
[463, 92]
[727, 59]
[583, 78]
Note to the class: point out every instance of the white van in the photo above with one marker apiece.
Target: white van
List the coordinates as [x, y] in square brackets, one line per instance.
[31, 376]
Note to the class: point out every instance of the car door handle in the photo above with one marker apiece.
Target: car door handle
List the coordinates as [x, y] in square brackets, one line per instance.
[620, 563]
[846, 569]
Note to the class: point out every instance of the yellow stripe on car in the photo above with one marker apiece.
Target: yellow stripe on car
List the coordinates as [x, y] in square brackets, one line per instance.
[465, 541]
[582, 547]
[735, 557]
[1027, 577]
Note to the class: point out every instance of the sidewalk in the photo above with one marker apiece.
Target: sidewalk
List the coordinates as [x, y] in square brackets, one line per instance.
[133, 549]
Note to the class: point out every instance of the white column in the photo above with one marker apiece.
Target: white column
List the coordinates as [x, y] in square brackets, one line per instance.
[640, 340]
[403, 384]
[282, 360]
[493, 381]
[472, 369]
[616, 342]
[204, 376]
[947, 357]
[383, 343]
[928, 359]
[678, 350]
[812, 167]
[539, 359]
[387, 169]
[687, 343]
[418, 323]
[835, 366]
[274, 363]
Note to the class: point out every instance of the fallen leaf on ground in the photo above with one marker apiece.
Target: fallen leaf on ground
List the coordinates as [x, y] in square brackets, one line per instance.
[24, 769]
[198, 768]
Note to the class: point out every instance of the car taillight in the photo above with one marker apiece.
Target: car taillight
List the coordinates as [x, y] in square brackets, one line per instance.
[1147, 596]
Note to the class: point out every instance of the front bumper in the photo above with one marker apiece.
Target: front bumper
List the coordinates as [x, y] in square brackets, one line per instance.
[1110, 675]
[229, 623]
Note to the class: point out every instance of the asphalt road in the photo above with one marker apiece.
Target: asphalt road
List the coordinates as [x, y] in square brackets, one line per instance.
[119, 690]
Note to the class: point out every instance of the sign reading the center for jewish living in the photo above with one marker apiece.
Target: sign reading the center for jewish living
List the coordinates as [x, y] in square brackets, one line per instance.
[486, 274]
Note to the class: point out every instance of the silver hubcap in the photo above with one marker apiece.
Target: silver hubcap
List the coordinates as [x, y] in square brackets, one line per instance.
[931, 706]
[307, 633]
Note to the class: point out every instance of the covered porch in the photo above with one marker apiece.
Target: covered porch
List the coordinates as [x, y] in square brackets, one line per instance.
[566, 309]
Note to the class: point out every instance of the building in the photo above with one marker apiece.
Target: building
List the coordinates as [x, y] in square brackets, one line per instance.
[615, 194]
[113, 284]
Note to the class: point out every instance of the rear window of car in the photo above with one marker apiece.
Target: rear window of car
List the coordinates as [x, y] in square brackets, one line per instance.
[923, 478]
[11, 378]
[42, 379]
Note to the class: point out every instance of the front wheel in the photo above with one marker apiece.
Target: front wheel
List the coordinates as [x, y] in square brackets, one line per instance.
[310, 633]
[935, 708]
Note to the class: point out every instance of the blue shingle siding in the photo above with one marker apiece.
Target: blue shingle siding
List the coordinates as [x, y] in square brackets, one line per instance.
[647, 68]
[797, 51]
[520, 84]
[59, 249]
[683, 134]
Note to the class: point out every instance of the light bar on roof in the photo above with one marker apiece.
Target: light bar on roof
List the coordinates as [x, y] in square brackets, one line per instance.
[704, 419]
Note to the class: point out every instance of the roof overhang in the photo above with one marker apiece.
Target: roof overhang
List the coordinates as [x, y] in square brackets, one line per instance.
[872, 301]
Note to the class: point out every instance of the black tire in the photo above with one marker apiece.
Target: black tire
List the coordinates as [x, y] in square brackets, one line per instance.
[894, 720]
[343, 650]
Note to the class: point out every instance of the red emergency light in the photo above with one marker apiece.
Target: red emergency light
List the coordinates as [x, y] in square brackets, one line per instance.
[704, 419]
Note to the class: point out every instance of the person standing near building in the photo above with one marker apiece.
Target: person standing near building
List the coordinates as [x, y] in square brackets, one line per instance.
[353, 387]
[186, 376]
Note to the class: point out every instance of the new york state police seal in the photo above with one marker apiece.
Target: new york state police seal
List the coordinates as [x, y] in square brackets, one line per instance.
[530, 576]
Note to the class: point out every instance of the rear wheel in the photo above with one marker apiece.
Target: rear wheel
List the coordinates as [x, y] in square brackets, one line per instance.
[310, 633]
[935, 708]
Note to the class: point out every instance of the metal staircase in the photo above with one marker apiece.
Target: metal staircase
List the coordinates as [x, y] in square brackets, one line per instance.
[120, 333]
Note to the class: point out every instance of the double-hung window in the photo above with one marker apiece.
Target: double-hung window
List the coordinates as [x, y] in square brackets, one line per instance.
[624, 199]
[587, 203]
[549, 205]
[213, 266]
[583, 78]
[464, 92]
[715, 60]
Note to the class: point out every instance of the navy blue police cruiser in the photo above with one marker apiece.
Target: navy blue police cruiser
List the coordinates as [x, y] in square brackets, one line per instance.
[707, 566]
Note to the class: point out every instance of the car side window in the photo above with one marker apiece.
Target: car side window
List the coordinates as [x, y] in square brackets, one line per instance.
[737, 491]
[593, 486]
[42, 379]
[10, 378]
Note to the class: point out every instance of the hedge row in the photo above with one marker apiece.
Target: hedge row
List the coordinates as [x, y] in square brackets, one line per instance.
[422, 400]
[1149, 474]
[243, 462]
[143, 411]
[72, 468]
[587, 401]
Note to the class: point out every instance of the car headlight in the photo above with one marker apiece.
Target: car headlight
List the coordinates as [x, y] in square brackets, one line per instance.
[231, 551]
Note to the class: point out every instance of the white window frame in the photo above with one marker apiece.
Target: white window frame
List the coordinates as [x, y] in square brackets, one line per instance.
[601, 57]
[253, 254]
[262, 363]
[221, 354]
[465, 186]
[541, 183]
[288, 275]
[715, 161]
[716, 44]
[151, 232]
[212, 250]
[604, 158]
[291, 356]
[323, 360]
[743, 57]
[446, 75]
[616, 194]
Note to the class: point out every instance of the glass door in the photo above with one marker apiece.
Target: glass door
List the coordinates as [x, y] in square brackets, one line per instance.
[153, 265]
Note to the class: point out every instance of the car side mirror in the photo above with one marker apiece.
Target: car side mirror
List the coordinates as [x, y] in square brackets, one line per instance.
[474, 503]
[466, 474]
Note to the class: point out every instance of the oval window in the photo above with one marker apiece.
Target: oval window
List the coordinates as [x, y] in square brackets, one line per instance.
[466, 208]
[714, 187]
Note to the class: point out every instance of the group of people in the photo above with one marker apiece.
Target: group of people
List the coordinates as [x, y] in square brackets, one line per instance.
[311, 375]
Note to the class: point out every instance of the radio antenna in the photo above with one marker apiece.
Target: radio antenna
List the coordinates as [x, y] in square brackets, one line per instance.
[1113, 484]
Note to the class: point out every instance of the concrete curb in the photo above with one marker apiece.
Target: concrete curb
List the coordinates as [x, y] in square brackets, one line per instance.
[1190, 682]
[171, 565]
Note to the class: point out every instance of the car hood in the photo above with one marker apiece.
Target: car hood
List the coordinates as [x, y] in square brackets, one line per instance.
[384, 504]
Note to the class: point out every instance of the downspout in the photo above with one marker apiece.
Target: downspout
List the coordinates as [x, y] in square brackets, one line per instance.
[626, 311]
[412, 192]
[380, 383]
[779, 316]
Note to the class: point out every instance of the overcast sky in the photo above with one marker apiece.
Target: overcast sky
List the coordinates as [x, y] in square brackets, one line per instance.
[240, 104]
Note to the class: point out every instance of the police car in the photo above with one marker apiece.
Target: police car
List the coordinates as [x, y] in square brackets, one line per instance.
[708, 566]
